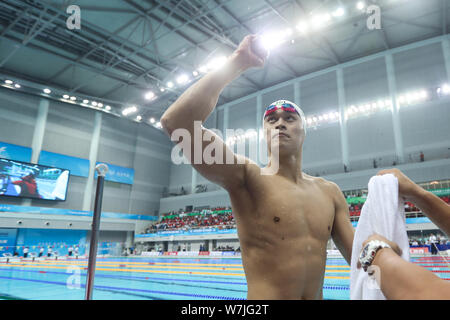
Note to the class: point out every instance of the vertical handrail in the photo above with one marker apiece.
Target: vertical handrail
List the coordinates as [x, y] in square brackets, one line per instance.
[101, 170]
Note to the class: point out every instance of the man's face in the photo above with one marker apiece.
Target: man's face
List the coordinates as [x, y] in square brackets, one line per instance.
[284, 130]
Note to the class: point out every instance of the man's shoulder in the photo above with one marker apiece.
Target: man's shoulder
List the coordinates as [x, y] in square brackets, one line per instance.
[323, 183]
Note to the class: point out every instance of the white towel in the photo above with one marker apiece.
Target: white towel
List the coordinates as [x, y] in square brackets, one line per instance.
[383, 213]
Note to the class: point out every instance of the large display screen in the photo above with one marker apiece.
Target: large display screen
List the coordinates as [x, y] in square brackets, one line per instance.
[27, 180]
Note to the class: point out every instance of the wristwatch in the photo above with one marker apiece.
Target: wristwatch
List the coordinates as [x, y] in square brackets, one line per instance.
[369, 251]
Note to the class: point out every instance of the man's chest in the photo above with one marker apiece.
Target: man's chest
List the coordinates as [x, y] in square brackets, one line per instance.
[282, 205]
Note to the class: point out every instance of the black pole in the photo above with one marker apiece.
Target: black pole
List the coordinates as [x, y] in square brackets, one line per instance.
[101, 170]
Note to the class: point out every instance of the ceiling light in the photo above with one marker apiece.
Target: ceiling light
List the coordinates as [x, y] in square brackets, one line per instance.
[162, 89]
[94, 103]
[17, 85]
[73, 98]
[138, 118]
[170, 84]
[85, 101]
[100, 105]
[8, 82]
[47, 91]
[107, 108]
[66, 96]
[195, 73]
[152, 120]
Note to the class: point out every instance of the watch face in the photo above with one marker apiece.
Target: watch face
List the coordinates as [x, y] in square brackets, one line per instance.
[364, 252]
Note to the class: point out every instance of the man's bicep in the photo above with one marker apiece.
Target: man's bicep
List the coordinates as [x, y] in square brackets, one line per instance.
[214, 160]
[343, 231]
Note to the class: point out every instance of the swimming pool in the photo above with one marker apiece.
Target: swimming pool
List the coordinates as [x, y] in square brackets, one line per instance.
[158, 278]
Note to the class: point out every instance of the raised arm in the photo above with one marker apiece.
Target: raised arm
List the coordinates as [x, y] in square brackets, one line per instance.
[197, 103]
[434, 207]
[402, 280]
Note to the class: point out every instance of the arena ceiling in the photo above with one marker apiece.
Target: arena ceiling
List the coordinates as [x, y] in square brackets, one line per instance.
[126, 49]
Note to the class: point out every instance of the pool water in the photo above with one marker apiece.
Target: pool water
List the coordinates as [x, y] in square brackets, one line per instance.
[158, 278]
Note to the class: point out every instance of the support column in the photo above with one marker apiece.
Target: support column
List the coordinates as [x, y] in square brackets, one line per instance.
[297, 94]
[38, 136]
[194, 180]
[399, 151]
[446, 51]
[342, 118]
[39, 130]
[95, 141]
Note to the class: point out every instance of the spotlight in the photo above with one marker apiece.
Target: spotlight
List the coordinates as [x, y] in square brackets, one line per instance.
[360, 5]
[152, 120]
[302, 27]
[47, 91]
[17, 85]
[66, 96]
[320, 20]
[73, 98]
[182, 79]
[94, 103]
[446, 89]
[272, 40]
[100, 105]
[129, 110]
[138, 118]
[149, 95]
[170, 84]
[195, 73]
[107, 108]
[85, 101]
[338, 12]
[8, 82]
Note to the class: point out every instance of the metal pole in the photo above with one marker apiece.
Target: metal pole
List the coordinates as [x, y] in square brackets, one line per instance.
[101, 169]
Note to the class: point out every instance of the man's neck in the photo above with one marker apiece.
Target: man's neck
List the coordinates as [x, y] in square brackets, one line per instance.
[289, 166]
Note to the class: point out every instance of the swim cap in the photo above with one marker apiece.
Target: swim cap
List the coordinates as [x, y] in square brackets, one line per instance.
[287, 106]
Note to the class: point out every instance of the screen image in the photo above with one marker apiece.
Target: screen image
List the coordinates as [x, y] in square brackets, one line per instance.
[26, 180]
